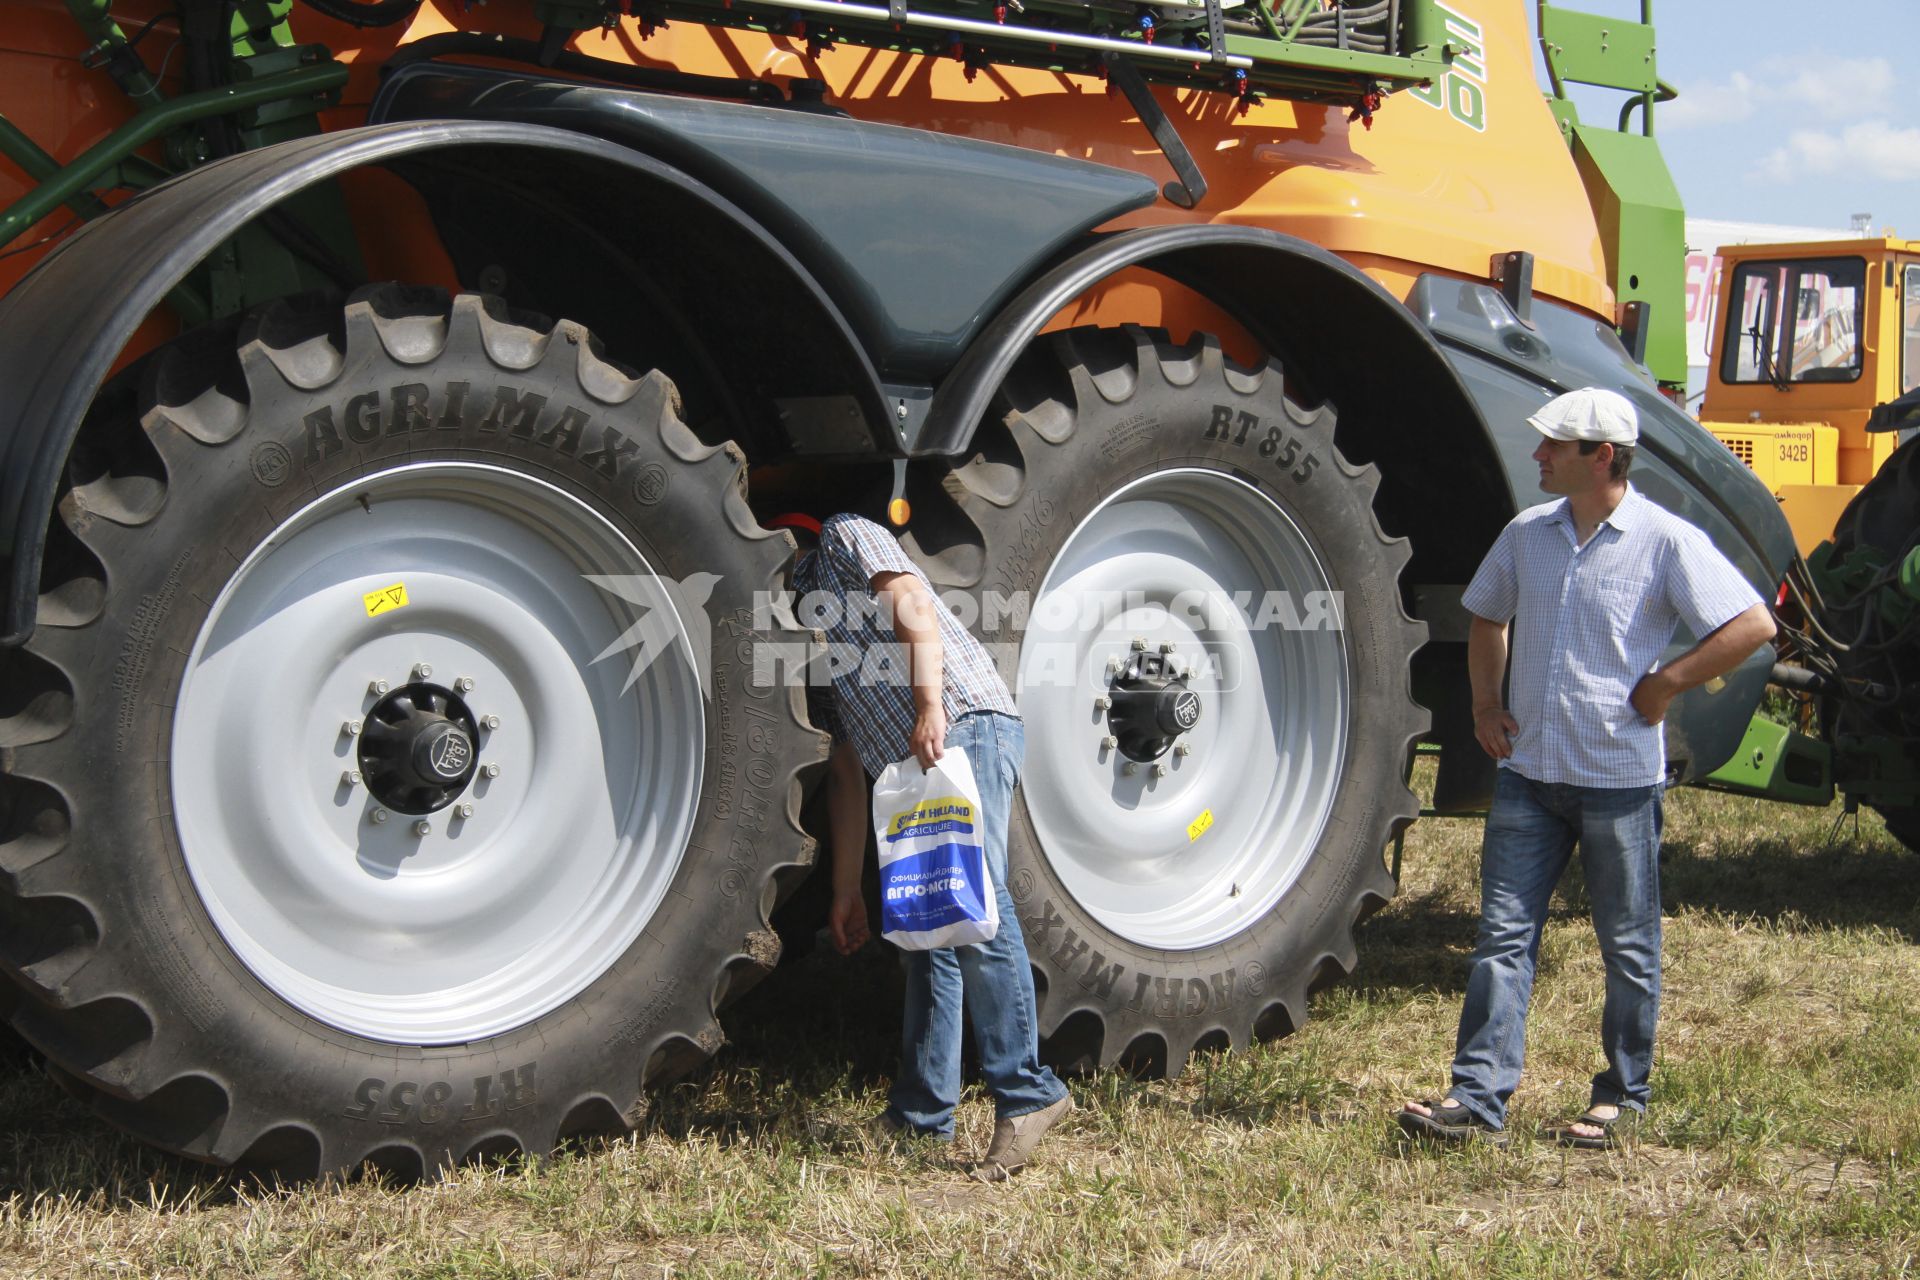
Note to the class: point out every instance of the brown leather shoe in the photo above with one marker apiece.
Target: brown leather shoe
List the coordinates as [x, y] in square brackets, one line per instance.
[1015, 1139]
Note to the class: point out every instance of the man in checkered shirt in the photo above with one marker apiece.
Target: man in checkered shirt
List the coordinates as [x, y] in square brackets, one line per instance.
[1594, 586]
[908, 680]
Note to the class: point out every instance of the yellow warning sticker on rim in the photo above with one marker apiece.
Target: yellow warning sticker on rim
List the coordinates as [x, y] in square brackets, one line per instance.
[1199, 826]
[386, 599]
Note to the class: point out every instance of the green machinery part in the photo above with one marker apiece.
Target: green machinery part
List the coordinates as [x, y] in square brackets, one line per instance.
[1874, 761]
[271, 91]
[1775, 762]
[1877, 769]
[1867, 568]
[1294, 49]
[1642, 221]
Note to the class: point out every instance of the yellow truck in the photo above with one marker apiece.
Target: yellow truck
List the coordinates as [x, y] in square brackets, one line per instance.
[1807, 339]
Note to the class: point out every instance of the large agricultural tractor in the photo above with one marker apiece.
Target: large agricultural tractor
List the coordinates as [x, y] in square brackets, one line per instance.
[381, 382]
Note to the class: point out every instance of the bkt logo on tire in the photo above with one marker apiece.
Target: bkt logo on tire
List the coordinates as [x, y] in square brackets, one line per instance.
[450, 755]
[1187, 710]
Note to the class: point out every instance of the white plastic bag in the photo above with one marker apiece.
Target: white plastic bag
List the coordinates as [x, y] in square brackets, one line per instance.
[935, 890]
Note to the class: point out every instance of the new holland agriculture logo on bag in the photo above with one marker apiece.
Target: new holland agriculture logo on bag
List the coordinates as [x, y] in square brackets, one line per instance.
[934, 887]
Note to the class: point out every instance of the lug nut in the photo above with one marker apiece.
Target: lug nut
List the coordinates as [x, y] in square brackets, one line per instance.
[463, 685]
[1183, 748]
[1131, 769]
[423, 828]
[1102, 702]
[491, 770]
[491, 722]
[1159, 771]
[1139, 645]
[351, 778]
[1166, 646]
[378, 688]
[349, 728]
[466, 810]
[1113, 666]
[379, 815]
[1109, 742]
[421, 671]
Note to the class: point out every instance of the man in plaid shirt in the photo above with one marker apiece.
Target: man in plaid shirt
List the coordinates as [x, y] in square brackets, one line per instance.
[908, 680]
[1592, 589]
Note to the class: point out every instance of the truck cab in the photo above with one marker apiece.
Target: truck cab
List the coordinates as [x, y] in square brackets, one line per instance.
[1807, 340]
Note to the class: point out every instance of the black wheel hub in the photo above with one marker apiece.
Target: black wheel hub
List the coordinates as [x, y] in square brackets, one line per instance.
[1152, 706]
[419, 748]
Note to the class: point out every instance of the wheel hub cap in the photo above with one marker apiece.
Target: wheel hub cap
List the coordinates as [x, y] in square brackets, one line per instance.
[417, 752]
[1152, 706]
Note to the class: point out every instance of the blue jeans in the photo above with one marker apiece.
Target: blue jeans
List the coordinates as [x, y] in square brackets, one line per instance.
[1531, 831]
[994, 975]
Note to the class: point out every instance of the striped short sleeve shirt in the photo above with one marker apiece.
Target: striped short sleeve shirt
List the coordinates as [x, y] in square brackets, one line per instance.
[1590, 621]
[869, 701]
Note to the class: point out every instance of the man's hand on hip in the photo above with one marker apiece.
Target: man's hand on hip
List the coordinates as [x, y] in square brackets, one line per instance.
[1652, 696]
[928, 742]
[1724, 648]
[1495, 730]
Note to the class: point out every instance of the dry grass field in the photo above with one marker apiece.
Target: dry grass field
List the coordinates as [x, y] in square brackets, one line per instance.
[1784, 1138]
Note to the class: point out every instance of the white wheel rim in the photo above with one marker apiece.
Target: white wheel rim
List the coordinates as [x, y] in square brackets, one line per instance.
[488, 921]
[1191, 857]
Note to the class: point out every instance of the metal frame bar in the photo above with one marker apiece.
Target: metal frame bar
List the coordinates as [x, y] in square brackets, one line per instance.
[1400, 840]
[73, 179]
[16, 146]
[1023, 35]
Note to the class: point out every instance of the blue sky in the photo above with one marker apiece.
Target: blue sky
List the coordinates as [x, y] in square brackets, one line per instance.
[1789, 112]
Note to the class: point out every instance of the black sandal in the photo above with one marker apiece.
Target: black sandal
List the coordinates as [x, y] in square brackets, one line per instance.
[1615, 1130]
[1450, 1123]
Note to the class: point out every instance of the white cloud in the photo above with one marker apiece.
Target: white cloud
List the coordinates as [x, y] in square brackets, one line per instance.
[1823, 85]
[1836, 88]
[1707, 104]
[1872, 150]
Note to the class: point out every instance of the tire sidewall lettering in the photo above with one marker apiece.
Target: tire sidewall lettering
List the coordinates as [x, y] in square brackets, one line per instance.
[1232, 983]
[618, 450]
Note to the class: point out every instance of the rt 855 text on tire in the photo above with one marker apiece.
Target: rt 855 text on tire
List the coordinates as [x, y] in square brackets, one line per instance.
[1189, 892]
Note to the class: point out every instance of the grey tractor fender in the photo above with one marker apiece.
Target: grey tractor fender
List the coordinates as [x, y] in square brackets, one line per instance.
[63, 326]
[1337, 335]
[919, 236]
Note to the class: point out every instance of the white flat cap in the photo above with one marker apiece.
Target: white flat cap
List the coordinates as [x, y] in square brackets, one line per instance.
[1591, 413]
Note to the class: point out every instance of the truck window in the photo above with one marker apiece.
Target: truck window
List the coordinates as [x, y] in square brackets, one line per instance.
[1910, 330]
[1826, 327]
[1795, 322]
[1746, 355]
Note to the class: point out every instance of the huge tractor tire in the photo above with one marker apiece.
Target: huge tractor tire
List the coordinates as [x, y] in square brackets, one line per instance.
[1185, 883]
[388, 779]
[1884, 519]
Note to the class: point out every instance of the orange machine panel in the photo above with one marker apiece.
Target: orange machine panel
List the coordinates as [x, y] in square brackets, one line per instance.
[1443, 181]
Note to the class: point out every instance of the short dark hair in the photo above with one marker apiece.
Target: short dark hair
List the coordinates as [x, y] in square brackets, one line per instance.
[1622, 456]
